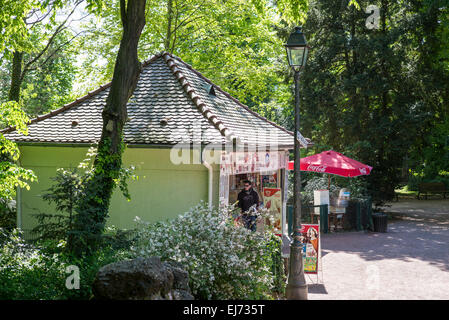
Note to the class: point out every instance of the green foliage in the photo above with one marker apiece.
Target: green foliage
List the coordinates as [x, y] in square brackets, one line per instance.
[64, 194]
[26, 272]
[11, 174]
[358, 187]
[413, 181]
[93, 205]
[7, 214]
[11, 115]
[318, 183]
[277, 264]
[49, 85]
[38, 271]
[12, 24]
[234, 43]
[45, 70]
[415, 178]
[223, 261]
[68, 190]
[369, 93]
[293, 11]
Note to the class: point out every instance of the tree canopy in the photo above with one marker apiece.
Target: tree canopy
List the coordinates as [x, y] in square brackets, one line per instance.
[377, 94]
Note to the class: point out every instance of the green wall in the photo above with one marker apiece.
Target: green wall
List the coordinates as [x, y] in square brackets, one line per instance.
[163, 190]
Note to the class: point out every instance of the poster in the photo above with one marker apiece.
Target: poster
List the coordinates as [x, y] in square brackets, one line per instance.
[246, 162]
[269, 181]
[273, 202]
[310, 239]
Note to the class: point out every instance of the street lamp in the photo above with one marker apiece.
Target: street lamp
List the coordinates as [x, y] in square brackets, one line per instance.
[297, 51]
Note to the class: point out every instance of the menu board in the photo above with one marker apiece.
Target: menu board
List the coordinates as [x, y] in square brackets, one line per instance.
[310, 234]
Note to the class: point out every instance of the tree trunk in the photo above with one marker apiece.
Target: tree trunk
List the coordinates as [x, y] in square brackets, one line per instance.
[16, 76]
[169, 22]
[93, 207]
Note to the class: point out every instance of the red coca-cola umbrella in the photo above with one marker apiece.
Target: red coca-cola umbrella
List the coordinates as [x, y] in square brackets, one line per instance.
[334, 163]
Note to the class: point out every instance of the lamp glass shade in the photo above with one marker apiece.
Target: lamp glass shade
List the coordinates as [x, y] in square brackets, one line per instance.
[297, 56]
[297, 49]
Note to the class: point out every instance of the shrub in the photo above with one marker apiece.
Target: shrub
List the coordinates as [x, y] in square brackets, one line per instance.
[7, 214]
[39, 271]
[413, 181]
[415, 178]
[224, 261]
[26, 272]
[358, 187]
[66, 193]
[318, 183]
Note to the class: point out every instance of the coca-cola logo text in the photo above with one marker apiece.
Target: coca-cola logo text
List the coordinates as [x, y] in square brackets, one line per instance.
[316, 168]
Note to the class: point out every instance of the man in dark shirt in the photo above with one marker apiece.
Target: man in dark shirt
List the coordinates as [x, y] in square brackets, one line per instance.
[248, 198]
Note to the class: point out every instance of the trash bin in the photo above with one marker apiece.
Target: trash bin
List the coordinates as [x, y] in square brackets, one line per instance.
[380, 221]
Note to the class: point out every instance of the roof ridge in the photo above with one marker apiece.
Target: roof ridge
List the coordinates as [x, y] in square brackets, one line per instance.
[231, 97]
[197, 101]
[77, 100]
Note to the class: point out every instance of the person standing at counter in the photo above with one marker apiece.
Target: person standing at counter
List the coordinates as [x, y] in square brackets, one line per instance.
[247, 198]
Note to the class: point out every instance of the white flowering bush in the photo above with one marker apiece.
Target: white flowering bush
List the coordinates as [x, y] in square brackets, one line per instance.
[224, 261]
[318, 183]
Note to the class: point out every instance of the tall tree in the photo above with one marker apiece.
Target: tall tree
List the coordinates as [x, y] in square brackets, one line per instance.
[430, 153]
[13, 35]
[234, 43]
[93, 208]
[360, 86]
[45, 86]
[37, 55]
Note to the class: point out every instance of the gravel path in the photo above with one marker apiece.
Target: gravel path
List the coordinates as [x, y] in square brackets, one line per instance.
[410, 261]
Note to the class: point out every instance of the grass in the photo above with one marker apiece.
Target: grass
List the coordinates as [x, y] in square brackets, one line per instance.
[404, 192]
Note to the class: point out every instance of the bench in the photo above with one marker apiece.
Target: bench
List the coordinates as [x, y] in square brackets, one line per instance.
[427, 188]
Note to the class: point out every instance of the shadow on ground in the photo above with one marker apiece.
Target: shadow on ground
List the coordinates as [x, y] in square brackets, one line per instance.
[409, 236]
[317, 288]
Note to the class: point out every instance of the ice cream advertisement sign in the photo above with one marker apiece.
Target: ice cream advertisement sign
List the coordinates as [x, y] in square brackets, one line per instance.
[273, 202]
[310, 239]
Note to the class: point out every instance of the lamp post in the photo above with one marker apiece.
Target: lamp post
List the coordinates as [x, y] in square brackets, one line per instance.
[297, 51]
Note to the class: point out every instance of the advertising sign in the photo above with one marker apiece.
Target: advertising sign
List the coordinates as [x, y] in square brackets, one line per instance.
[301, 140]
[273, 202]
[246, 162]
[310, 239]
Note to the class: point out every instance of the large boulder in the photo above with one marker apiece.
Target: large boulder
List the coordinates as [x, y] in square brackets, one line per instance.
[142, 279]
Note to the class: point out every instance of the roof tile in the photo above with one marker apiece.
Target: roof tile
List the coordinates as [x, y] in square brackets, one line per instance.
[169, 89]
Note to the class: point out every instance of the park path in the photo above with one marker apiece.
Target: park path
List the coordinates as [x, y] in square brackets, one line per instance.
[410, 261]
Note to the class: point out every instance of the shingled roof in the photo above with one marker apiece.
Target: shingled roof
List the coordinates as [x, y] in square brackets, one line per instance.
[172, 103]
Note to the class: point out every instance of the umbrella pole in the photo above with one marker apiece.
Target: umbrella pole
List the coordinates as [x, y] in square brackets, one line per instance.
[329, 182]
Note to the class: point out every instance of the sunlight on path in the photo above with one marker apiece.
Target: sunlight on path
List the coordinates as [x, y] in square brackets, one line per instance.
[411, 261]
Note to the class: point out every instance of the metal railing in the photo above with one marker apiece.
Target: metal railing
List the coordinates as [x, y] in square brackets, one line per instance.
[358, 215]
[306, 214]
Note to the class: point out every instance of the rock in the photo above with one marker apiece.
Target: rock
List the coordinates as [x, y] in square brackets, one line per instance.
[181, 295]
[142, 279]
[181, 276]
